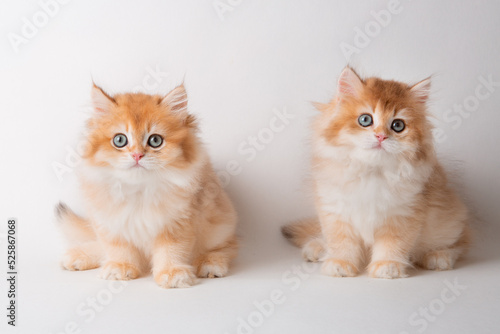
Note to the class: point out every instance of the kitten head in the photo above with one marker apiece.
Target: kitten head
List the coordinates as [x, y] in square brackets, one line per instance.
[138, 133]
[377, 118]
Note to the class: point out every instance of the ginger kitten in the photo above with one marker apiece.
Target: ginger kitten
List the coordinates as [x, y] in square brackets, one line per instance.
[379, 189]
[153, 199]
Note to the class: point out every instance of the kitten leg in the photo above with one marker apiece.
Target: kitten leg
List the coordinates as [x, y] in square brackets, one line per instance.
[344, 248]
[215, 263]
[391, 250]
[445, 258]
[124, 261]
[83, 257]
[171, 256]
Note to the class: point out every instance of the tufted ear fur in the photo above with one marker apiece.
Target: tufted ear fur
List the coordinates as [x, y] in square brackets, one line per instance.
[422, 90]
[350, 84]
[101, 101]
[176, 100]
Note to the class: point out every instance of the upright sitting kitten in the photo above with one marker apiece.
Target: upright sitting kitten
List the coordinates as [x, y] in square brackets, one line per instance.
[152, 196]
[379, 186]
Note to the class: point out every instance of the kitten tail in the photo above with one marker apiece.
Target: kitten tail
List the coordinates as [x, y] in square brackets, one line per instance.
[302, 231]
[75, 228]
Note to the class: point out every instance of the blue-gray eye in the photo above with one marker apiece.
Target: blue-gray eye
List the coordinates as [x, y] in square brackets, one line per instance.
[398, 125]
[365, 120]
[155, 141]
[120, 140]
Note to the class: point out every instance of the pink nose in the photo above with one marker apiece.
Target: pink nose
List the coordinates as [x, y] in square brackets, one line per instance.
[381, 137]
[137, 156]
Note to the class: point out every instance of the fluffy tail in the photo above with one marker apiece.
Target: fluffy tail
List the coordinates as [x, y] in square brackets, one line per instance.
[302, 231]
[76, 229]
[84, 250]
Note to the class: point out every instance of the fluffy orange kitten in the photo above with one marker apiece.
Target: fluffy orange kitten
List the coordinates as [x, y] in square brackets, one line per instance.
[379, 188]
[153, 199]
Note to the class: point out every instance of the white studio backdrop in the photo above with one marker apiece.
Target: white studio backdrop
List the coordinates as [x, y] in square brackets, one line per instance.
[247, 66]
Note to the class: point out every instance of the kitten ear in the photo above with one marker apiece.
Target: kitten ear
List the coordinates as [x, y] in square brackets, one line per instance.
[350, 84]
[101, 101]
[176, 100]
[321, 106]
[422, 90]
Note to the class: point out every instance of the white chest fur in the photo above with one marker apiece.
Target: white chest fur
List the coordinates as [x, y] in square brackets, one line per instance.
[366, 196]
[138, 211]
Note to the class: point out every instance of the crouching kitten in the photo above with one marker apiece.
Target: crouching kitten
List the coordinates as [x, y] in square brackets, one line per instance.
[382, 197]
[153, 200]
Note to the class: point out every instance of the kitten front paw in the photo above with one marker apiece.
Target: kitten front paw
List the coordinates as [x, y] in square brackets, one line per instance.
[212, 270]
[119, 271]
[177, 277]
[75, 259]
[313, 250]
[387, 269]
[338, 268]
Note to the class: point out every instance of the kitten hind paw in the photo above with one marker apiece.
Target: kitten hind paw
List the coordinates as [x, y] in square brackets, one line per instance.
[439, 260]
[387, 269]
[313, 250]
[213, 264]
[75, 259]
[177, 277]
[212, 270]
[119, 271]
[338, 268]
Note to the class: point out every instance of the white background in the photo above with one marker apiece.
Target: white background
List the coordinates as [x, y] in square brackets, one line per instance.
[261, 57]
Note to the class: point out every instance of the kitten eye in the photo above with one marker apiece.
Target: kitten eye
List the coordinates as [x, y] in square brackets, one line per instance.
[398, 125]
[120, 140]
[155, 141]
[365, 120]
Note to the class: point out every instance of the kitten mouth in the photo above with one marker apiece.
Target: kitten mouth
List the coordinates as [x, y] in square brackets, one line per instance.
[137, 165]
